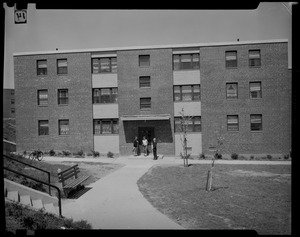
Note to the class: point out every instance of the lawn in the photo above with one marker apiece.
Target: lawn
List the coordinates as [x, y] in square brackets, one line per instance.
[94, 170]
[256, 197]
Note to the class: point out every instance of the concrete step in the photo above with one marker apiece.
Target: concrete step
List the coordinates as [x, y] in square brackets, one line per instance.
[37, 203]
[13, 195]
[26, 200]
[49, 207]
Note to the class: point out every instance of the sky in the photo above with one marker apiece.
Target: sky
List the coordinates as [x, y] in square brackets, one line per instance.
[47, 30]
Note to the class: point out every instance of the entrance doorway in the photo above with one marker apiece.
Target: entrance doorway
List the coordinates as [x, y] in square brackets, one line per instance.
[147, 132]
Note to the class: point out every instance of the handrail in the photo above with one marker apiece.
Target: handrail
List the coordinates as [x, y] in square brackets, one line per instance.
[48, 173]
[53, 186]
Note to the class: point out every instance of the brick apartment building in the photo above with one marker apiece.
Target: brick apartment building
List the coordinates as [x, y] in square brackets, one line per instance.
[100, 99]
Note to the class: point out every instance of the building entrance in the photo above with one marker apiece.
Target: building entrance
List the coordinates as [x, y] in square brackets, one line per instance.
[147, 132]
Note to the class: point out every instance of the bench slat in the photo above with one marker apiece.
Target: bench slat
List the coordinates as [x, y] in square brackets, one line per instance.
[74, 166]
[68, 172]
[76, 182]
[65, 177]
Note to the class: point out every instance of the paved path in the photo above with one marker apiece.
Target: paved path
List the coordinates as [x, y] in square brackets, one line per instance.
[115, 202]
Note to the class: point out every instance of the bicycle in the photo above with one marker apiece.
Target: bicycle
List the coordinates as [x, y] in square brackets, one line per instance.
[36, 154]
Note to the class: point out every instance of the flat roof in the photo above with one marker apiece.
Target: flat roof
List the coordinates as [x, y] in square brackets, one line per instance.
[153, 47]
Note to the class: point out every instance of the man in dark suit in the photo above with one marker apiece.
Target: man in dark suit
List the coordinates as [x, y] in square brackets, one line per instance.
[154, 149]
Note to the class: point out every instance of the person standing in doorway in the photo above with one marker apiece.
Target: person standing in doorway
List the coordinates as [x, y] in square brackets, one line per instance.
[154, 149]
[145, 145]
[135, 146]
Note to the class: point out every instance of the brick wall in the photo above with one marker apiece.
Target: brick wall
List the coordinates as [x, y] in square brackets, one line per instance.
[8, 103]
[275, 104]
[161, 93]
[78, 111]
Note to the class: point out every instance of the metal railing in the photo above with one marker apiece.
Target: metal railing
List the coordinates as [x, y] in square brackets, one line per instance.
[50, 185]
[45, 171]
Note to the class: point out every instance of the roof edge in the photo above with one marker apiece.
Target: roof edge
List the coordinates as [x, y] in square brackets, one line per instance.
[190, 45]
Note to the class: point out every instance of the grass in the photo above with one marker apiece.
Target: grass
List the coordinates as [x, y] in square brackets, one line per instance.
[21, 217]
[256, 197]
[94, 170]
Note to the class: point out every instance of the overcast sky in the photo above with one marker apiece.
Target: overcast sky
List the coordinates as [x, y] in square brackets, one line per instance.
[84, 29]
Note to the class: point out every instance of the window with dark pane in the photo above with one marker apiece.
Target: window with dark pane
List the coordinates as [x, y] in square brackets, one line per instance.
[63, 98]
[144, 60]
[231, 59]
[254, 58]
[41, 67]
[43, 128]
[256, 122]
[144, 82]
[62, 66]
[232, 123]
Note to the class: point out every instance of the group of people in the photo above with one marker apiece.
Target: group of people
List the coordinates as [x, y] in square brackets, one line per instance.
[145, 147]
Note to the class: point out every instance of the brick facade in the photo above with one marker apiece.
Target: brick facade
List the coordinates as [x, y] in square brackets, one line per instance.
[78, 111]
[275, 104]
[9, 103]
[161, 93]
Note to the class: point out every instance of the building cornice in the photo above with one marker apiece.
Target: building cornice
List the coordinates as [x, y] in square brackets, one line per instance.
[172, 46]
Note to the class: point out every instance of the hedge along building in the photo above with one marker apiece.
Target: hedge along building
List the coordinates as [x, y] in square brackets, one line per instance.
[100, 99]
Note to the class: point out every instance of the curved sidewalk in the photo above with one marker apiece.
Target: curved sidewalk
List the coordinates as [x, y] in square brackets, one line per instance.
[115, 202]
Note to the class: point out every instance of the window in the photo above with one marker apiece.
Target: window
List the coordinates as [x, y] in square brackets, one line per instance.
[104, 65]
[231, 59]
[63, 98]
[256, 122]
[232, 123]
[41, 67]
[192, 125]
[106, 126]
[12, 92]
[231, 90]
[144, 60]
[254, 58]
[12, 101]
[63, 127]
[62, 66]
[43, 127]
[186, 61]
[105, 95]
[187, 93]
[144, 82]
[12, 110]
[255, 90]
[43, 97]
[145, 103]
[177, 93]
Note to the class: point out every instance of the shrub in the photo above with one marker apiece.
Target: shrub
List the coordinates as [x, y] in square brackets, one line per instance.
[51, 152]
[234, 156]
[66, 153]
[269, 157]
[202, 156]
[95, 153]
[218, 156]
[252, 157]
[286, 156]
[110, 154]
[79, 153]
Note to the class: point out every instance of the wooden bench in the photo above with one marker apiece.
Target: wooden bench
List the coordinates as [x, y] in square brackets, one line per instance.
[71, 172]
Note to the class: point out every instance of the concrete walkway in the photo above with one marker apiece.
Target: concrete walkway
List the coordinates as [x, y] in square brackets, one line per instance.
[115, 202]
